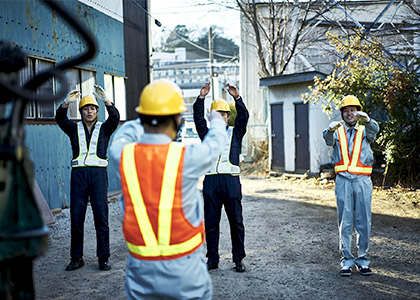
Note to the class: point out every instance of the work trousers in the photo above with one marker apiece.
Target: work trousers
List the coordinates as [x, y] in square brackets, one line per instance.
[354, 198]
[223, 190]
[89, 183]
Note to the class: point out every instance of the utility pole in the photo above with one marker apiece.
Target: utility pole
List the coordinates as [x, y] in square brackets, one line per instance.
[211, 63]
[416, 40]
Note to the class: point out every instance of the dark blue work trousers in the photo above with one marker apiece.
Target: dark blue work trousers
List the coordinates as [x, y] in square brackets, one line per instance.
[223, 190]
[89, 183]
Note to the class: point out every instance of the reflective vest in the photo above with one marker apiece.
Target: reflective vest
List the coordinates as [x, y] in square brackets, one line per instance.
[87, 155]
[223, 164]
[155, 227]
[352, 165]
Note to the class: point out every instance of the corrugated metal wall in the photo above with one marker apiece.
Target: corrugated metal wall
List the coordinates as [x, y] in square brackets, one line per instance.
[50, 151]
[38, 31]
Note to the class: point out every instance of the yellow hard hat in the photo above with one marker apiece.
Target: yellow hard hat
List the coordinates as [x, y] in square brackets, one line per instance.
[161, 98]
[88, 100]
[350, 101]
[220, 105]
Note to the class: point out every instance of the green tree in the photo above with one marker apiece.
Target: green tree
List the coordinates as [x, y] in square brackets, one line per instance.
[220, 44]
[387, 92]
[177, 38]
[181, 37]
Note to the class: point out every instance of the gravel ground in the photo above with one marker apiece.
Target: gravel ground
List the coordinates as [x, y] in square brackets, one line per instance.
[291, 240]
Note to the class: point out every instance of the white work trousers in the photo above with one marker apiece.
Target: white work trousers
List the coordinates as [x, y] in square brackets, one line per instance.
[182, 278]
[354, 197]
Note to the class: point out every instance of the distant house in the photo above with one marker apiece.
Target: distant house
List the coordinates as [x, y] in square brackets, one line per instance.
[121, 66]
[278, 116]
[296, 141]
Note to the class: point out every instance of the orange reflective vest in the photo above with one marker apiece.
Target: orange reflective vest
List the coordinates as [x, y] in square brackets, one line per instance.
[352, 165]
[155, 227]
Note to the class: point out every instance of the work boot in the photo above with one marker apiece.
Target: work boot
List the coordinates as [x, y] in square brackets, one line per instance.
[240, 266]
[104, 265]
[365, 271]
[212, 265]
[75, 263]
[345, 271]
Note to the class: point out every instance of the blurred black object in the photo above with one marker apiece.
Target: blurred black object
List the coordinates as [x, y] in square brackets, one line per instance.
[23, 235]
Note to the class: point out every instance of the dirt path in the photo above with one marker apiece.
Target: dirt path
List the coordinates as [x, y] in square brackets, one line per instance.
[291, 243]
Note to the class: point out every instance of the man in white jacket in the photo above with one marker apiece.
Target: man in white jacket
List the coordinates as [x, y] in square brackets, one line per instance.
[163, 210]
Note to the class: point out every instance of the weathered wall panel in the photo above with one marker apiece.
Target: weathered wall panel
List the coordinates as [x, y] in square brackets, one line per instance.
[37, 31]
[136, 53]
[50, 152]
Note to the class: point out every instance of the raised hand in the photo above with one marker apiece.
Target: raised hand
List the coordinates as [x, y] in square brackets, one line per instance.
[72, 96]
[334, 125]
[100, 93]
[205, 90]
[362, 116]
[233, 90]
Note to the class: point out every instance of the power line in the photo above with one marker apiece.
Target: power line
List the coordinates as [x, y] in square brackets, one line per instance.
[159, 24]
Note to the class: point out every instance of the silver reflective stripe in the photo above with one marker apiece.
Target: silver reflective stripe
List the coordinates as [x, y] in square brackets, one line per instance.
[87, 156]
[223, 165]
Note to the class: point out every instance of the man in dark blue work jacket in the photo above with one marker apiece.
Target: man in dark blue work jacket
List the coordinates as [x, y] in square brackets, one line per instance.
[89, 179]
[221, 184]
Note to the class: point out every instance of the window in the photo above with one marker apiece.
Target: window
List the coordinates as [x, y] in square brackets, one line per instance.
[82, 80]
[23, 76]
[35, 110]
[79, 79]
[115, 90]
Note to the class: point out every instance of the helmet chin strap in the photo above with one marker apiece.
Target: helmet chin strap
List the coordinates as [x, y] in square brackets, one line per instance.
[177, 126]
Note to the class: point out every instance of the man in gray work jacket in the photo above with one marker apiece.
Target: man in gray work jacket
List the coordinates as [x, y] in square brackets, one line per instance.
[353, 160]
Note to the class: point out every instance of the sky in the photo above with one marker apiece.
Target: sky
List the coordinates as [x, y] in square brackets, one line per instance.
[194, 14]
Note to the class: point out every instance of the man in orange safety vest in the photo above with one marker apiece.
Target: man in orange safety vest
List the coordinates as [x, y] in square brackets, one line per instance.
[353, 160]
[163, 209]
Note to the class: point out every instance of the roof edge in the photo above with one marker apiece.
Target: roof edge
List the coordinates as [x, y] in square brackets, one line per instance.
[291, 78]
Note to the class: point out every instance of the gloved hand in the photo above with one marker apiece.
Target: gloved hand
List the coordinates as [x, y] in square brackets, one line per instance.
[72, 96]
[334, 125]
[362, 116]
[100, 93]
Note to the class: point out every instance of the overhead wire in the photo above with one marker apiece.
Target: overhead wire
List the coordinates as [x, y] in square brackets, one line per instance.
[159, 24]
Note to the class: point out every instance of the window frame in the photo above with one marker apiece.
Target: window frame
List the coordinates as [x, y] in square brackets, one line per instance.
[115, 88]
[84, 81]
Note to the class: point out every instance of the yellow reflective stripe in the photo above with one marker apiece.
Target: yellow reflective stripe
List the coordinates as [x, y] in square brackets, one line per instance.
[353, 168]
[364, 170]
[344, 150]
[133, 186]
[356, 148]
[88, 155]
[340, 168]
[223, 164]
[355, 157]
[167, 193]
[166, 250]
[82, 144]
